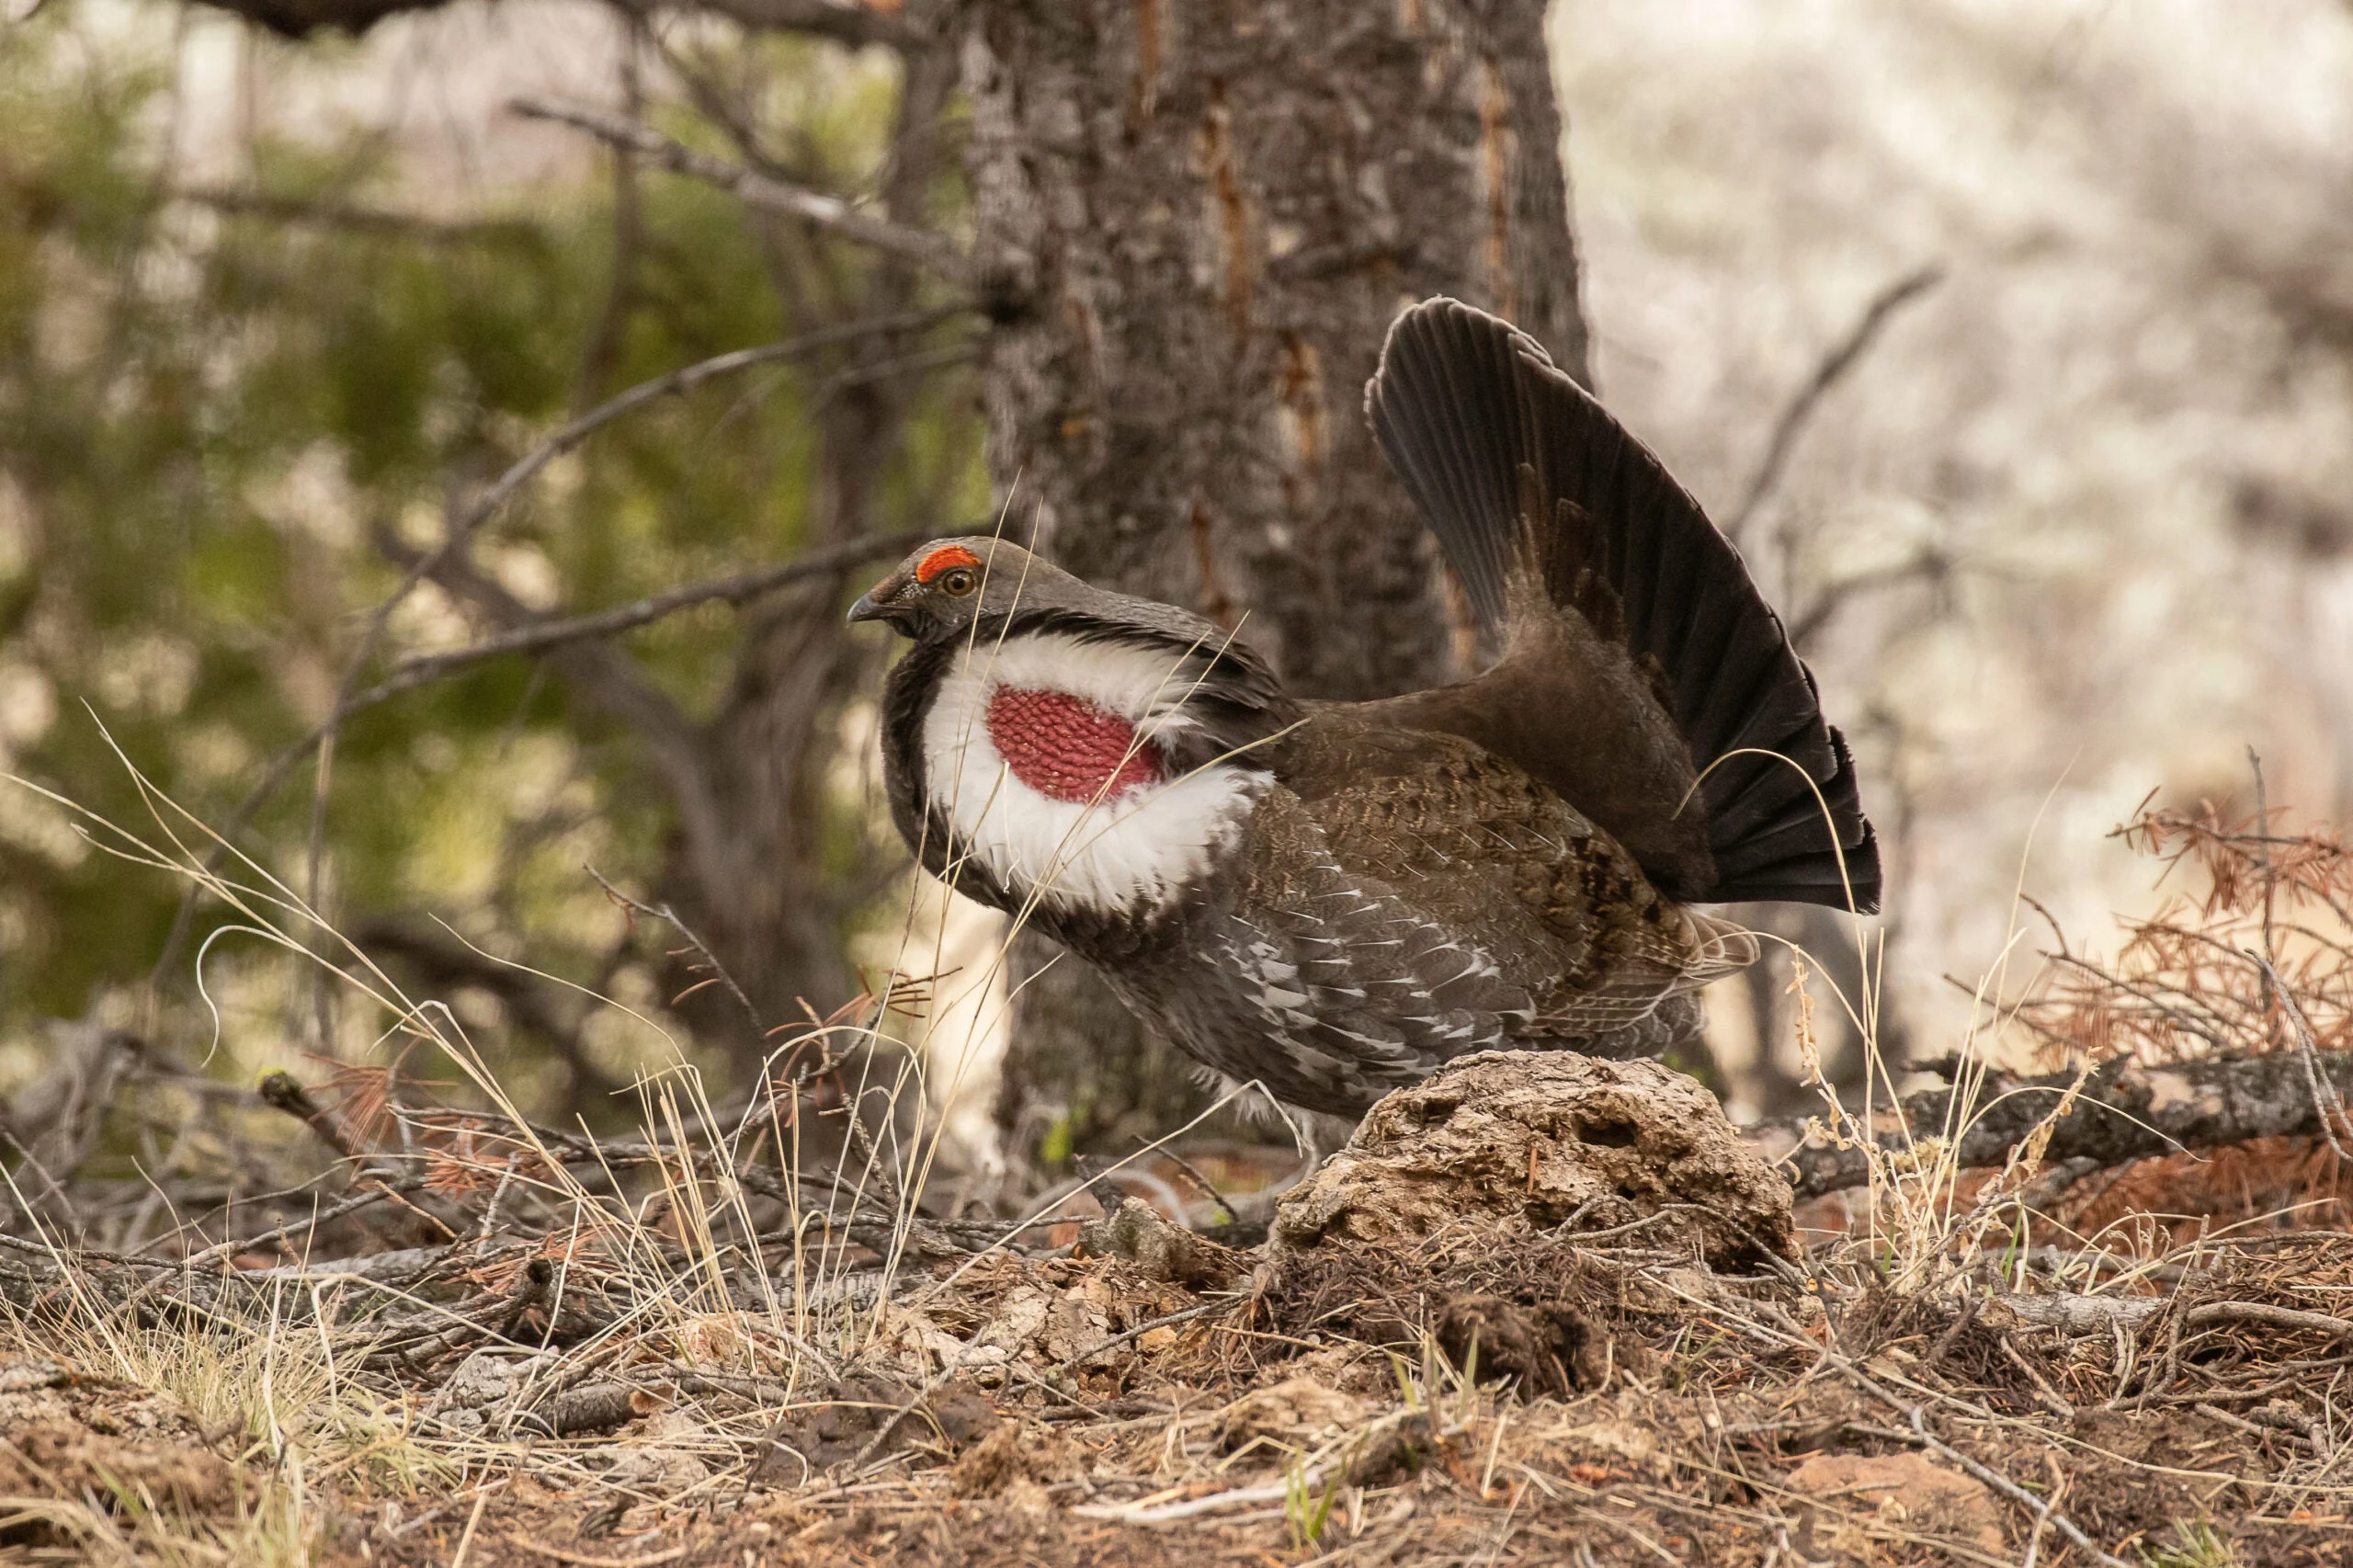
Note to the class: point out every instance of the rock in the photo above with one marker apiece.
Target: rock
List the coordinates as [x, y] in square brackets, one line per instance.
[1159, 1249]
[1907, 1490]
[666, 1460]
[1551, 1349]
[17, 1376]
[481, 1397]
[1294, 1414]
[1543, 1137]
[1014, 1454]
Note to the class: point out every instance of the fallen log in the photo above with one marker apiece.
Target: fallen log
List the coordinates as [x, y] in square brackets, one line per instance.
[2126, 1110]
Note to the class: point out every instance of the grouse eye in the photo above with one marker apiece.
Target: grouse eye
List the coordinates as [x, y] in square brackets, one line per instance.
[959, 581]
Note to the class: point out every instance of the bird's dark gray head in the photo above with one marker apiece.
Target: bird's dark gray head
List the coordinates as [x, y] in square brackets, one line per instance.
[953, 589]
[949, 586]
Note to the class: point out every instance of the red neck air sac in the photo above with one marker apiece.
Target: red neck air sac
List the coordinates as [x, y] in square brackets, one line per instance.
[1066, 748]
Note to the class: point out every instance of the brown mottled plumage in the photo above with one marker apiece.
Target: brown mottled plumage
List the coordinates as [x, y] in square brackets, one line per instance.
[1335, 899]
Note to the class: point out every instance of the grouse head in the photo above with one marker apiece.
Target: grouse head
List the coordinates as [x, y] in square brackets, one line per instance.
[948, 588]
[1056, 742]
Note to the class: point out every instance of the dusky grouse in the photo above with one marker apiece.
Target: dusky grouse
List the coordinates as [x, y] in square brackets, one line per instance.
[1334, 899]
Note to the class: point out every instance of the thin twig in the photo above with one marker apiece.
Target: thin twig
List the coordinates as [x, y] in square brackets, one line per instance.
[764, 191]
[703, 955]
[541, 636]
[1207, 1187]
[1138, 1332]
[2270, 879]
[1842, 356]
[686, 379]
[376, 1193]
[2326, 1099]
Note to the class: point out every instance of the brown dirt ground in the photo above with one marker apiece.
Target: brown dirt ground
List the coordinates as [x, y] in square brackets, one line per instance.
[1665, 1433]
[1501, 1386]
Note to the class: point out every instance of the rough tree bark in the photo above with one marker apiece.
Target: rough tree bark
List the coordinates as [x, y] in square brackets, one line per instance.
[1202, 219]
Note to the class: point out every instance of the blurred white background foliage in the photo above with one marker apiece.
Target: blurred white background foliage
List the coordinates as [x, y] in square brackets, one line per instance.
[2120, 428]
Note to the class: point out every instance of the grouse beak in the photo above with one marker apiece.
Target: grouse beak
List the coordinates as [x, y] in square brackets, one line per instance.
[880, 603]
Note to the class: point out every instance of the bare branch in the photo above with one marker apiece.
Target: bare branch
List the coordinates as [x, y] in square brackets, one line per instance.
[607, 679]
[531, 1001]
[1842, 356]
[539, 636]
[770, 194]
[685, 380]
[1928, 566]
[484, 506]
[842, 21]
[705, 957]
[2124, 1111]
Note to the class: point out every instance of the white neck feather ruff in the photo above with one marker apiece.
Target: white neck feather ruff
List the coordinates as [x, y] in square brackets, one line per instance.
[1125, 853]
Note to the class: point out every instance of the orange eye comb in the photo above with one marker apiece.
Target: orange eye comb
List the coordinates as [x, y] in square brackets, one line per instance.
[940, 559]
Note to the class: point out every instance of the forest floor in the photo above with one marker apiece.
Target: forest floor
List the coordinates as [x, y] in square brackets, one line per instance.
[1521, 1319]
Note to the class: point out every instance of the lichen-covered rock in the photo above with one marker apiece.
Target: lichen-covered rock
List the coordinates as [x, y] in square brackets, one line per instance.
[481, 1395]
[1545, 1138]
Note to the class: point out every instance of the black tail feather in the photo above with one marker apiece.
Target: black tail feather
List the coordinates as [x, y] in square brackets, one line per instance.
[1467, 409]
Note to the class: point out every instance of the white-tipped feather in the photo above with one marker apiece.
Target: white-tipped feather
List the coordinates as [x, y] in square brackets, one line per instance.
[1128, 852]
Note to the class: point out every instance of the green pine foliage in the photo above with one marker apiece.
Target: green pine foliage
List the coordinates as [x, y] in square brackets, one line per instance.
[214, 416]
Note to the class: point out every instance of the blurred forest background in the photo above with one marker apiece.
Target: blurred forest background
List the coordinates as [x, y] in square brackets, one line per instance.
[2013, 343]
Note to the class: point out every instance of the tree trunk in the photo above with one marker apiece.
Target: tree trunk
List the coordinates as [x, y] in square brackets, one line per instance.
[1203, 218]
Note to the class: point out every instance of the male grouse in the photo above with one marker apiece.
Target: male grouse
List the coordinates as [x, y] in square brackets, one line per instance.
[1334, 899]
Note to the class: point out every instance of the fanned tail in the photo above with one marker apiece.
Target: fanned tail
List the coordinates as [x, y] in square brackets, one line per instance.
[1545, 504]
